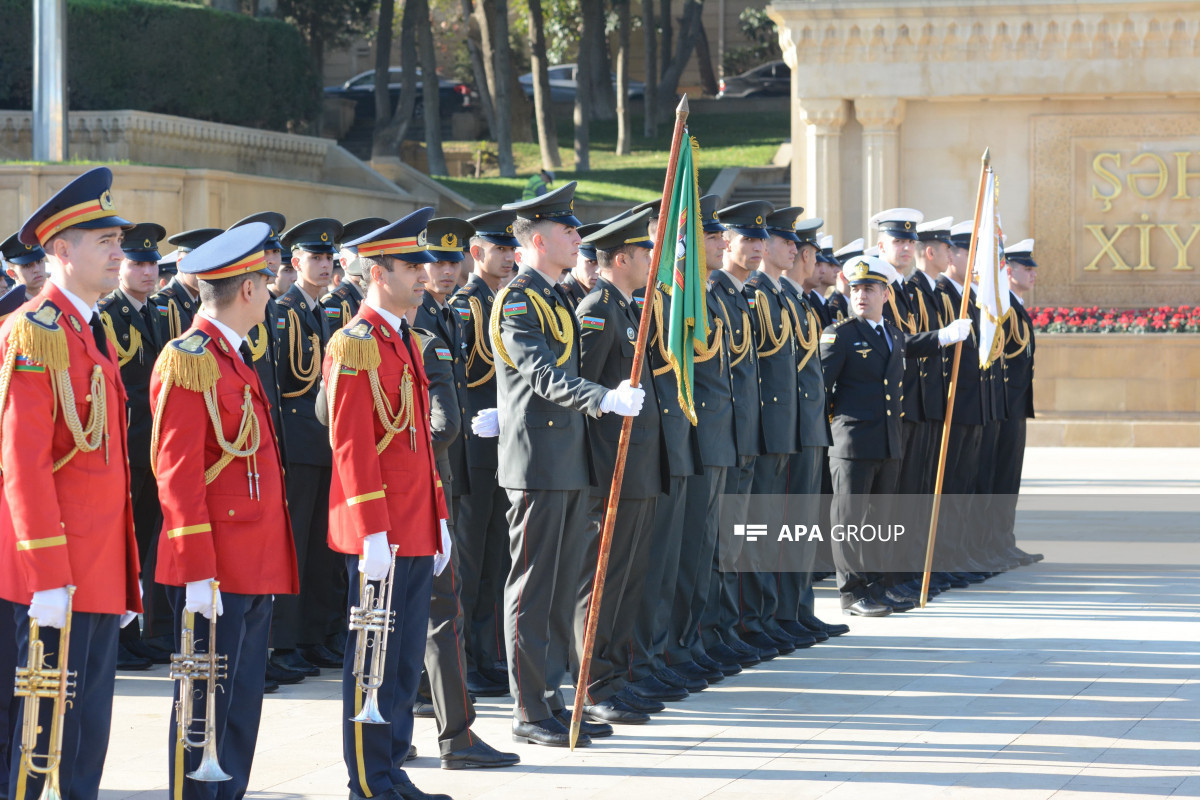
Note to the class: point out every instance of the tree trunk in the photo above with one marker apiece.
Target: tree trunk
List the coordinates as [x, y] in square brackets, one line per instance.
[665, 38]
[521, 113]
[429, 91]
[502, 85]
[397, 126]
[583, 96]
[650, 98]
[478, 68]
[543, 108]
[689, 32]
[624, 145]
[708, 78]
[603, 101]
[383, 98]
[316, 51]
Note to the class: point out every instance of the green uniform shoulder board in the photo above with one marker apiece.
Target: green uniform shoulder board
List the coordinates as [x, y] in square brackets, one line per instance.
[187, 362]
[355, 347]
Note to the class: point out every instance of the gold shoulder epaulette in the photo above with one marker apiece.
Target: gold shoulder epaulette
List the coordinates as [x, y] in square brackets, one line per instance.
[840, 323]
[355, 347]
[186, 362]
[38, 336]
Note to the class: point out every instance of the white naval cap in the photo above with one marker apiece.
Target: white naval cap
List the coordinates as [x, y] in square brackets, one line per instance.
[900, 223]
[935, 230]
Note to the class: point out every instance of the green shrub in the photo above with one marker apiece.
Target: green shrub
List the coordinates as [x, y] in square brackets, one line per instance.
[170, 58]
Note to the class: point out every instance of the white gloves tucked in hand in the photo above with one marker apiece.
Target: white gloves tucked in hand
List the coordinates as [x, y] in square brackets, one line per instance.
[440, 560]
[625, 400]
[956, 331]
[49, 607]
[486, 424]
[199, 599]
[376, 559]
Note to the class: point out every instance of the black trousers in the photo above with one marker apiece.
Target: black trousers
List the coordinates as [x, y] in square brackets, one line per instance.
[147, 524]
[93, 659]
[481, 554]
[804, 488]
[724, 612]
[1009, 463]
[320, 609]
[760, 590]
[653, 621]
[701, 516]
[951, 550]
[853, 479]
[242, 632]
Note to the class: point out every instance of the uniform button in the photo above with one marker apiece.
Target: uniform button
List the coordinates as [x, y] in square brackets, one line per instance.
[889, 412]
[550, 424]
[293, 411]
[774, 399]
[385, 486]
[231, 512]
[87, 398]
[885, 381]
[665, 410]
[887, 397]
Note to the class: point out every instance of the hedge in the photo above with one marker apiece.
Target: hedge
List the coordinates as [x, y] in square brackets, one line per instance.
[170, 58]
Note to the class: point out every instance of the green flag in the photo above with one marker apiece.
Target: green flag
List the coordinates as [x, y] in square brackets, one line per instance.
[681, 272]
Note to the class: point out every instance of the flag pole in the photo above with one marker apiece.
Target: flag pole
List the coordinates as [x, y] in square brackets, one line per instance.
[964, 310]
[614, 493]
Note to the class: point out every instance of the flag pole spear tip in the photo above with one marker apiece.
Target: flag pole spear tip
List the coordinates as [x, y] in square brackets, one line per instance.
[682, 108]
[987, 156]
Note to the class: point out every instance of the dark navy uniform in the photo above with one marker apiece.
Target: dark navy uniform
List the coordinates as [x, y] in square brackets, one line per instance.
[175, 302]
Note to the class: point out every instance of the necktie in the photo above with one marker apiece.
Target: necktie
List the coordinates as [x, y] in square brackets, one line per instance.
[151, 326]
[98, 333]
[247, 356]
[404, 327]
[887, 341]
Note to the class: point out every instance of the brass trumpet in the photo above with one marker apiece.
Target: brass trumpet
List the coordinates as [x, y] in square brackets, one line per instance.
[373, 620]
[36, 682]
[188, 667]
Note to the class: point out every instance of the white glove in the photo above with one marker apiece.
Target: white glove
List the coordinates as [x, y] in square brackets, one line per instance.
[625, 400]
[956, 331]
[128, 617]
[199, 599]
[376, 559]
[486, 424]
[49, 607]
[440, 560]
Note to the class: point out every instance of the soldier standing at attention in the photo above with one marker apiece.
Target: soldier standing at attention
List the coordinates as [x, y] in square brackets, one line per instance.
[179, 300]
[68, 529]
[24, 264]
[545, 463]
[343, 302]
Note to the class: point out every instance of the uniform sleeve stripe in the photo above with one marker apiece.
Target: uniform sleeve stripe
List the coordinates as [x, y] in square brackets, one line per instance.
[38, 544]
[189, 529]
[364, 498]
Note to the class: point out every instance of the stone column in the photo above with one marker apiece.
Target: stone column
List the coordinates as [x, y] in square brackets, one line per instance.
[823, 186]
[880, 118]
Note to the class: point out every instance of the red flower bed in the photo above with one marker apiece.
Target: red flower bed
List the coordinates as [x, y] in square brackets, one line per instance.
[1165, 319]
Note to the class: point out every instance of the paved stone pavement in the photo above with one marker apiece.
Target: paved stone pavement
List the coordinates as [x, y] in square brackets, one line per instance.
[1061, 680]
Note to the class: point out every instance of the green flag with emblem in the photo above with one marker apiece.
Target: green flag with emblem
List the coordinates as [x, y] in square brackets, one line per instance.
[681, 272]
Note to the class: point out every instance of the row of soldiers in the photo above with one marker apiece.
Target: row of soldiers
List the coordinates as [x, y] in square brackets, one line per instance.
[516, 381]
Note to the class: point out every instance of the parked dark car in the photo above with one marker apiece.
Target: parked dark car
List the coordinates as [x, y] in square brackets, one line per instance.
[454, 96]
[773, 79]
[563, 84]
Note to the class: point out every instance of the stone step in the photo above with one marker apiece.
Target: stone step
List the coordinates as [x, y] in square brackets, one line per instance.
[778, 194]
[1114, 430]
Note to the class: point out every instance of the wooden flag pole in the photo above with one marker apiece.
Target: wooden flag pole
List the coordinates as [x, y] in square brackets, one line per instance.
[964, 310]
[614, 493]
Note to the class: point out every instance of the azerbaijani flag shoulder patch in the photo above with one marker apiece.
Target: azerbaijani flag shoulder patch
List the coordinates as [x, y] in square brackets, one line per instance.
[750, 300]
[333, 312]
[640, 300]
[828, 338]
[162, 311]
[443, 353]
[344, 370]
[464, 313]
[27, 364]
[280, 324]
[591, 323]
[514, 308]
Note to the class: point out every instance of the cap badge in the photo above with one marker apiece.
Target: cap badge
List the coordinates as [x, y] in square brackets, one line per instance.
[28, 247]
[421, 239]
[146, 244]
[714, 215]
[106, 201]
[508, 230]
[758, 220]
[860, 270]
[324, 237]
[449, 240]
[908, 226]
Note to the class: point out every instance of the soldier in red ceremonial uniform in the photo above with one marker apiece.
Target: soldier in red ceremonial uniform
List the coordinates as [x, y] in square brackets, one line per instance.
[65, 518]
[385, 494]
[220, 482]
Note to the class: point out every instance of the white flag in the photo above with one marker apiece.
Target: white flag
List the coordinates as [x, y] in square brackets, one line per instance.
[991, 276]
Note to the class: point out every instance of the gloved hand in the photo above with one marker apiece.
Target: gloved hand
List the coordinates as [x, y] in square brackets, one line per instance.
[49, 607]
[486, 424]
[128, 617]
[198, 599]
[376, 559]
[440, 560]
[956, 331]
[624, 400]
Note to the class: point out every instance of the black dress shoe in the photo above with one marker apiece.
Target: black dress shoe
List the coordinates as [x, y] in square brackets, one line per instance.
[737, 645]
[727, 657]
[291, 659]
[640, 703]
[595, 730]
[652, 688]
[270, 686]
[798, 641]
[129, 662]
[492, 675]
[673, 678]
[143, 648]
[423, 708]
[1027, 558]
[764, 644]
[691, 669]
[971, 577]
[898, 602]
[283, 675]
[708, 662]
[547, 732]
[832, 628]
[337, 643]
[412, 753]
[480, 755]
[796, 630]
[321, 656]
[615, 712]
[408, 791]
[482, 687]
[952, 580]
[866, 607]
[782, 642]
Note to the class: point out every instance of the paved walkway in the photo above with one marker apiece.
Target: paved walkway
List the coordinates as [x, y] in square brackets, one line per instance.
[1058, 680]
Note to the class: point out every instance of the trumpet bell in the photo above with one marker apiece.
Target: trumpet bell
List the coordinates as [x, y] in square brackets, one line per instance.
[370, 713]
[209, 770]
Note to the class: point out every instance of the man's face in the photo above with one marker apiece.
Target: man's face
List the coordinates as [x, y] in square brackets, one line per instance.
[494, 260]
[937, 257]
[867, 300]
[585, 271]
[957, 268]
[639, 260]
[744, 252]
[313, 269]
[1021, 278]
[94, 257]
[560, 245]
[804, 264]
[826, 275]
[33, 275]
[900, 253]
[403, 287]
[779, 253]
[442, 276]
[714, 249]
[274, 259]
[285, 276]
[139, 278]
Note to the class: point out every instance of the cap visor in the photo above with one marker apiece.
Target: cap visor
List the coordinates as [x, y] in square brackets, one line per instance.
[714, 227]
[422, 257]
[105, 222]
[503, 240]
[895, 234]
[750, 233]
[451, 256]
[316, 247]
[143, 255]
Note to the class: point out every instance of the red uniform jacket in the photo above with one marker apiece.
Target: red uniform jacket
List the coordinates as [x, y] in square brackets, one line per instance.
[398, 490]
[74, 525]
[236, 528]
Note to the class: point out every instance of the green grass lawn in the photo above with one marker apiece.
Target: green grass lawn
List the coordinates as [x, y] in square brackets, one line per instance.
[725, 141]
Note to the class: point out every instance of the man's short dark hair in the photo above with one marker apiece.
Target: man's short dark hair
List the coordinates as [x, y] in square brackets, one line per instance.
[385, 263]
[606, 258]
[524, 229]
[219, 293]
